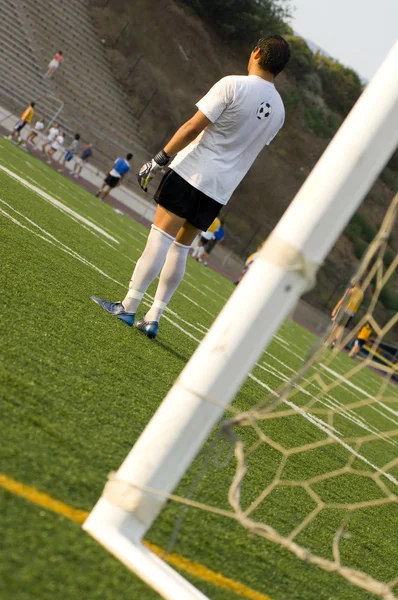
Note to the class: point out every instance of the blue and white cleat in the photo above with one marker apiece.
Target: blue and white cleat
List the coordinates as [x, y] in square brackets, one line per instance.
[149, 328]
[116, 309]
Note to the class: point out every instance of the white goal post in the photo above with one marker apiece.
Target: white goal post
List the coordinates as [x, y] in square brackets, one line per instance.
[285, 269]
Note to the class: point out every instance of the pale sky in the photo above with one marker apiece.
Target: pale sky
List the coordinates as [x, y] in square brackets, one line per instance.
[359, 33]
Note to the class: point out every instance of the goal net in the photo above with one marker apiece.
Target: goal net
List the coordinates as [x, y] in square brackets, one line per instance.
[329, 436]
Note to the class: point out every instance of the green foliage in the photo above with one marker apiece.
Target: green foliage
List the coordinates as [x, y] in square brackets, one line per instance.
[291, 99]
[389, 299]
[360, 248]
[368, 232]
[302, 60]
[388, 258]
[360, 228]
[353, 230]
[243, 20]
[389, 176]
[320, 120]
[341, 85]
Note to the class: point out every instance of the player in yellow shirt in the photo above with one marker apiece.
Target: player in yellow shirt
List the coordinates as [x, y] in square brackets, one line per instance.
[205, 237]
[344, 311]
[249, 261]
[26, 117]
[364, 335]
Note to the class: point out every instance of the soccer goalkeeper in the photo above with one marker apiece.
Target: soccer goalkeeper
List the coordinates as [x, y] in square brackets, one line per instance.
[212, 153]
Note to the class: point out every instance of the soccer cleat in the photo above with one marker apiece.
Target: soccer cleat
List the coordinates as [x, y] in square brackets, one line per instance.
[149, 328]
[116, 309]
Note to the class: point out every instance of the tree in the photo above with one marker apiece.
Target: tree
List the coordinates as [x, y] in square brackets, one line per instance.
[302, 60]
[243, 20]
[341, 85]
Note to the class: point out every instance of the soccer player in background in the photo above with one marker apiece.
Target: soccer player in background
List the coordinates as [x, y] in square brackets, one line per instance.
[56, 145]
[363, 336]
[115, 176]
[37, 129]
[208, 248]
[52, 134]
[71, 151]
[26, 118]
[205, 237]
[349, 304]
[249, 261]
[212, 153]
[82, 160]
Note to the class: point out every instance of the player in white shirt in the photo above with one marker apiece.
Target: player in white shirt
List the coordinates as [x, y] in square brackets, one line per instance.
[214, 150]
[56, 145]
[37, 130]
[51, 135]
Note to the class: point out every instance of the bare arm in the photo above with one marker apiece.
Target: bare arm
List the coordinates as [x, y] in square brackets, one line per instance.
[187, 133]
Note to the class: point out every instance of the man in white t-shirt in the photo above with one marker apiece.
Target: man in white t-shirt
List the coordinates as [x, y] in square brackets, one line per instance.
[52, 134]
[56, 145]
[36, 131]
[214, 150]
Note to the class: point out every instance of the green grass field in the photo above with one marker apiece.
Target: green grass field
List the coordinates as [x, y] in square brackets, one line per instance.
[77, 387]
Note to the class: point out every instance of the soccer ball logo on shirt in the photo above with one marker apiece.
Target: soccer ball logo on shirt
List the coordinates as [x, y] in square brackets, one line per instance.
[264, 110]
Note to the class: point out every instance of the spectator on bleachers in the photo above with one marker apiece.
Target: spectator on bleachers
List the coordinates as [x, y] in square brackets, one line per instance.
[37, 129]
[115, 175]
[26, 117]
[71, 151]
[51, 135]
[82, 160]
[56, 145]
[54, 64]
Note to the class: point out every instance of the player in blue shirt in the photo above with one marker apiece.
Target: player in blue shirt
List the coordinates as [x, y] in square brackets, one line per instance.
[115, 176]
[209, 246]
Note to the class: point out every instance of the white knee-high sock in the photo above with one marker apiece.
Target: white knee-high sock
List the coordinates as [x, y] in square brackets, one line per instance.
[148, 267]
[170, 278]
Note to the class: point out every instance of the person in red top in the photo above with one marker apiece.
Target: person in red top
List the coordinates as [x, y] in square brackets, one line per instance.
[54, 64]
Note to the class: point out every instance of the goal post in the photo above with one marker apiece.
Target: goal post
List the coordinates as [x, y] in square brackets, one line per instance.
[285, 269]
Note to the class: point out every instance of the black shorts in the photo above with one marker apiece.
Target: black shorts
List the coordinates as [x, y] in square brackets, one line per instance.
[182, 199]
[360, 342]
[20, 125]
[210, 245]
[111, 181]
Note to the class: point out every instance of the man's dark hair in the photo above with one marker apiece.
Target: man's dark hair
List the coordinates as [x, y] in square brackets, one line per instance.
[60, 52]
[275, 53]
[129, 156]
[77, 136]
[32, 104]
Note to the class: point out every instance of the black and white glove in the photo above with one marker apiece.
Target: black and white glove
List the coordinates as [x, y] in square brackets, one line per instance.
[149, 170]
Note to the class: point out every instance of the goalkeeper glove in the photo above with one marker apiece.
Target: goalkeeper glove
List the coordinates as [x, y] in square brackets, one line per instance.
[149, 170]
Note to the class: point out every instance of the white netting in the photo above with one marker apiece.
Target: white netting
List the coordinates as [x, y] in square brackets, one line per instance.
[351, 467]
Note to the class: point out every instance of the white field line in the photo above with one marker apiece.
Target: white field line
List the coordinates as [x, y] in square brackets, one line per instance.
[311, 418]
[331, 403]
[213, 292]
[65, 209]
[350, 387]
[54, 241]
[349, 384]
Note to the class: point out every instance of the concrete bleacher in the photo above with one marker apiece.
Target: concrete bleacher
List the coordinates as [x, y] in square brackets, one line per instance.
[94, 102]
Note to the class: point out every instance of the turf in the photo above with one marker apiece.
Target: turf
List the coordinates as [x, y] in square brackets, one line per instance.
[77, 388]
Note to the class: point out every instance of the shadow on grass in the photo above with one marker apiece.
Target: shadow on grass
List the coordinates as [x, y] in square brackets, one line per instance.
[171, 350]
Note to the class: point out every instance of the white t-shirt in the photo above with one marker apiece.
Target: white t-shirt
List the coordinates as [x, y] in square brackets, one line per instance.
[39, 126]
[58, 143]
[208, 235]
[246, 113]
[53, 133]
